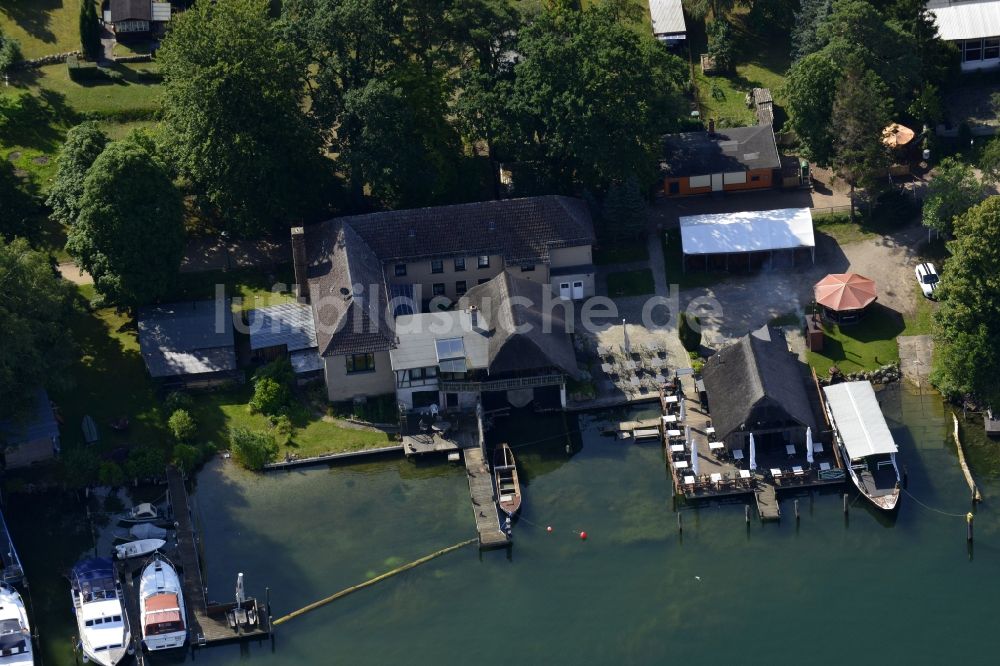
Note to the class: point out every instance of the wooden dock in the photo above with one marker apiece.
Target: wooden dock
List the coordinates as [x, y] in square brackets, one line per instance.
[208, 623]
[767, 501]
[484, 504]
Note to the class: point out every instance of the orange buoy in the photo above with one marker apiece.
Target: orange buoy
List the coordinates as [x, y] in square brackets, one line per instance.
[548, 529]
[583, 536]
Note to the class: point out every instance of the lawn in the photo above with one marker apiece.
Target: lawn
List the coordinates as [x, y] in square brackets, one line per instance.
[43, 27]
[631, 283]
[253, 286]
[621, 252]
[839, 227]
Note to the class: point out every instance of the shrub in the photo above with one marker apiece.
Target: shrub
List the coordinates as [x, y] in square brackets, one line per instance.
[81, 467]
[269, 397]
[689, 333]
[111, 474]
[283, 429]
[146, 462]
[252, 449]
[187, 457]
[178, 400]
[10, 52]
[182, 425]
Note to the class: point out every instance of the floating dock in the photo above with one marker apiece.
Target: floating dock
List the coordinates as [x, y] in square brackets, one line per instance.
[484, 503]
[208, 623]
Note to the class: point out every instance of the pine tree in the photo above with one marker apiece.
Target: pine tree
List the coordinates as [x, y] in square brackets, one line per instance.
[90, 31]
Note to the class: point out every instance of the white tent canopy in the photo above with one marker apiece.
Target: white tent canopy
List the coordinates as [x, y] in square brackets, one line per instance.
[858, 419]
[747, 231]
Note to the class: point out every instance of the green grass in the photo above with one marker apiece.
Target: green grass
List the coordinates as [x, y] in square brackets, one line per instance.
[621, 252]
[839, 227]
[862, 346]
[43, 27]
[673, 257]
[254, 286]
[631, 283]
[136, 96]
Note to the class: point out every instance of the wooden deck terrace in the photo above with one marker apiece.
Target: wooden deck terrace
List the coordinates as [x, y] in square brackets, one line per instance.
[208, 623]
[461, 435]
[484, 503]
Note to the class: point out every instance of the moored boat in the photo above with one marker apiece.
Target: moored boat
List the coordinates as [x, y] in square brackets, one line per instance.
[141, 513]
[507, 483]
[100, 612]
[161, 606]
[15, 632]
[124, 551]
[865, 442]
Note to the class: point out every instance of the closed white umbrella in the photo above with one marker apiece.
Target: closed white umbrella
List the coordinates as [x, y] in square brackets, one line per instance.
[694, 457]
[753, 453]
[687, 434]
[627, 345]
[809, 445]
[683, 409]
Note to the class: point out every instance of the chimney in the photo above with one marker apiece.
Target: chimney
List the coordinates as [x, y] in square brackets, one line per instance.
[474, 316]
[711, 125]
[300, 262]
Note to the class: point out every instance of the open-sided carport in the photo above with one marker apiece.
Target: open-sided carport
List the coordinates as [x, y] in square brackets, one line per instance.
[751, 239]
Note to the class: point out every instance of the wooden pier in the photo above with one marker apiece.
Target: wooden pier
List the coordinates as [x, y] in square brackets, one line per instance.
[208, 623]
[484, 504]
[767, 502]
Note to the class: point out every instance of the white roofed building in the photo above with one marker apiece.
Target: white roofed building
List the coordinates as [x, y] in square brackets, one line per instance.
[974, 26]
[858, 418]
[748, 239]
[667, 17]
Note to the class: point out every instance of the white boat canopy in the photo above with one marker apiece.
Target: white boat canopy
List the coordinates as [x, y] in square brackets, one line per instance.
[747, 231]
[859, 419]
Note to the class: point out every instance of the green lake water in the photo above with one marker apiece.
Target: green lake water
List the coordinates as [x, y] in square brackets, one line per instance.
[826, 590]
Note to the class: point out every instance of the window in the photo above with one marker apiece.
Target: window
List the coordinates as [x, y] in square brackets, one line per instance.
[973, 50]
[437, 266]
[754, 179]
[460, 287]
[360, 363]
[460, 264]
[438, 288]
[675, 187]
[400, 270]
[484, 261]
[451, 355]
[416, 377]
[483, 280]
[527, 268]
[991, 48]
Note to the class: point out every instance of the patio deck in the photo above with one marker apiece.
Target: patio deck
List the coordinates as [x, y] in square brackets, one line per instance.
[461, 433]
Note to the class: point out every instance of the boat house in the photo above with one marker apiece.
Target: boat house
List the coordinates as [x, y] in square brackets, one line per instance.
[33, 439]
[859, 424]
[724, 160]
[748, 240]
[189, 344]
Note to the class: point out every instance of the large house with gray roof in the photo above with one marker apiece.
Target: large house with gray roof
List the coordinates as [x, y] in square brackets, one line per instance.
[365, 275]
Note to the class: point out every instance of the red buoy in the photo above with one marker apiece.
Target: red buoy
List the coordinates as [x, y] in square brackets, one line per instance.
[548, 529]
[583, 536]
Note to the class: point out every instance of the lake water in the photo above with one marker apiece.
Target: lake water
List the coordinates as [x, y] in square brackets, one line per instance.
[825, 590]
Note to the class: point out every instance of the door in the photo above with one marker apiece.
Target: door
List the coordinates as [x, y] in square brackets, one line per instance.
[716, 182]
[577, 291]
[564, 291]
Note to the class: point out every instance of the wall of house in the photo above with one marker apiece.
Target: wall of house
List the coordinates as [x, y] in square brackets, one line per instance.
[755, 179]
[421, 272]
[579, 255]
[342, 386]
[979, 54]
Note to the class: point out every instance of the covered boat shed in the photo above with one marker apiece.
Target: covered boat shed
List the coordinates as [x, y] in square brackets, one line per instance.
[751, 239]
[858, 420]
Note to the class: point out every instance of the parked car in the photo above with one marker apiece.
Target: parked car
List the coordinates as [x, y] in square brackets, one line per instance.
[928, 278]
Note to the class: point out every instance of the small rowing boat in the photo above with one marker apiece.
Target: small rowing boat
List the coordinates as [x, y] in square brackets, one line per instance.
[507, 483]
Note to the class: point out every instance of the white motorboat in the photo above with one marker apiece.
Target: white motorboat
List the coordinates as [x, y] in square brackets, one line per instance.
[142, 513]
[147, 531]
[100, 612]
[15, 632]
[865, 442]
[161, 606]
[138, 548]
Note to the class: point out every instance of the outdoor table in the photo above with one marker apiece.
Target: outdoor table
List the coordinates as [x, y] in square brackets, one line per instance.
[688, 480]
[681, 464]
[441, 426]
[607, 368]
[670, 418]
[670, 399]
[817, 447]
[716, 478]
[824, 466]
[603, 351]
[710, 430]
[631, 365]
[715, 446]
[634, 381]
[673, 433]
[737, 454]
[744, 474]
[797, 471]
[775, 472]
[677, 448]
[790, 449]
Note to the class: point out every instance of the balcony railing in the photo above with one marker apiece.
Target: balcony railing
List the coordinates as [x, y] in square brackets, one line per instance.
[502, 384]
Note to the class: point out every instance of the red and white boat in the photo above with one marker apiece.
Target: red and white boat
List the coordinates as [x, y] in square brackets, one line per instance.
[161, 606]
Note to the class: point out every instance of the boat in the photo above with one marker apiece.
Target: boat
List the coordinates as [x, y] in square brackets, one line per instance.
[508, 485]
[100, 611]
[142, 513]
[161, 606]
[15, 632]
[143, 531]
[864, 440]
[140, 548]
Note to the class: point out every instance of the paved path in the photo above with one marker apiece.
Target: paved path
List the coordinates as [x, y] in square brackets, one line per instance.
[73, 273]
[915, 352]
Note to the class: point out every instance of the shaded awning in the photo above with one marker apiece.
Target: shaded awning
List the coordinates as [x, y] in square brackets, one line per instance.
[859, 420]
[841, 292]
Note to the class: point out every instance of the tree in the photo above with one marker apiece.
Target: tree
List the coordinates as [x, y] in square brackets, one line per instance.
[233, 115]
[182, 425]
[90, 31]
[269, 397]
[16, 205]
[35, 306]
[810, 88]
[146, 462]
[689, 332]
[590, 100]
[110, 474]
[990, 161]
[186, 457]
[952, 191]
[860, 114]
[80, 467]
[10, 52]
[129, 234]
[252, 449]
[967, 325]
[811, 15]
[84, 143]
[720, 43]
[624, 213]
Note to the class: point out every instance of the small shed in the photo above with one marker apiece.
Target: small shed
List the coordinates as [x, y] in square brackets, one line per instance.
[845, 297]
[285, 330]
[667, 19]
[748, 239]
[33, 439]
[188, 343]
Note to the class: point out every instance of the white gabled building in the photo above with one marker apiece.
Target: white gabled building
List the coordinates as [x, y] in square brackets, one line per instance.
[974, 26]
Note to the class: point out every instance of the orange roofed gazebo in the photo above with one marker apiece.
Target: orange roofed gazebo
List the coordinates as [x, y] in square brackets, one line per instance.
[845, 296]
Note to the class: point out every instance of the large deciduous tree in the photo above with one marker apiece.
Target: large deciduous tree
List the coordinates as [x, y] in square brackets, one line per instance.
[952, 191]
[10, 52]
[84, 143]
[233, 119]
[129, 234]
[810, 89]
[34, 307]
[967, 325]
[15, 204]
[590, 99]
